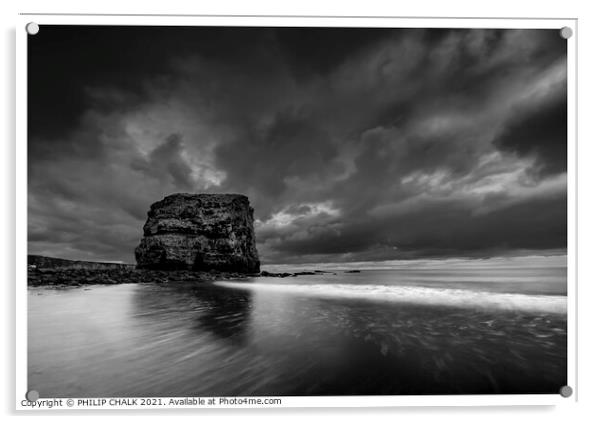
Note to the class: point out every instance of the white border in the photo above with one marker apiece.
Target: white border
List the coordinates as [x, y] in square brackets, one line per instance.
[329, 401]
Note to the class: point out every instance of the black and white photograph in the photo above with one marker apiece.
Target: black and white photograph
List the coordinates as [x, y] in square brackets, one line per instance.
[277, 211]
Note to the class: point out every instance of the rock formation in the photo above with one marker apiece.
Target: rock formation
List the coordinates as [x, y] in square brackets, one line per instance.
[202, 232]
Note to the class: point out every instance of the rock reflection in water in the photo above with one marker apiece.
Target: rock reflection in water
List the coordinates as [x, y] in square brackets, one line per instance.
[221, 312]
[205, 340]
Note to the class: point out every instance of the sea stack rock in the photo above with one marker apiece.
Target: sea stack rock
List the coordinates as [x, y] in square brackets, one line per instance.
[204, 232]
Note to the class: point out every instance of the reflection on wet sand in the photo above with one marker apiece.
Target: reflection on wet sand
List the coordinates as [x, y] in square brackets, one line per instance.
[202, 339]
[223, 313]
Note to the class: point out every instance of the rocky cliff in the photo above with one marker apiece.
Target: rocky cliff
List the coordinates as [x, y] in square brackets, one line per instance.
[204, 232]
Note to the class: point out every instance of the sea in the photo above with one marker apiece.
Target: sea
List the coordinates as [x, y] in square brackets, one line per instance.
[448, 328]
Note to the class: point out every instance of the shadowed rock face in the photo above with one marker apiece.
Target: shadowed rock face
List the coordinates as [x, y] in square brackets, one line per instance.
[201, 232]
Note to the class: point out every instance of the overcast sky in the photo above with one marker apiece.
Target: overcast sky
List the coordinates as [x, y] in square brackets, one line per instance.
[351, 144]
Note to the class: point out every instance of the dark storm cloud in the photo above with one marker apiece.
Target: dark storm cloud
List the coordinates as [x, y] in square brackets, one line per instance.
[294, 145]
[166, 161]
[539, 130]
[428, 231]
[323, 49]
[352, 144]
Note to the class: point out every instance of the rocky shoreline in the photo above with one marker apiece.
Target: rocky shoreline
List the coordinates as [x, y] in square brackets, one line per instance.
[74, 277]
[186, 237]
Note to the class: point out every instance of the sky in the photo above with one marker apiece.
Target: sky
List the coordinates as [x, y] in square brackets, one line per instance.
[352, 144]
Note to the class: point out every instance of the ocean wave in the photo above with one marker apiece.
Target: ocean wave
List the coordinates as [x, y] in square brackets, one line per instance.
[416, 295]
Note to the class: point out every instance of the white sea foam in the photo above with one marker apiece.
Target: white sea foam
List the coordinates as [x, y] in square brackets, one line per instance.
[415, 295]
